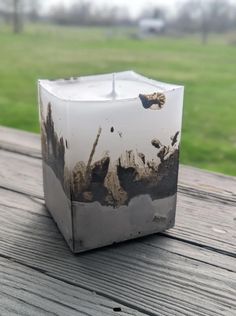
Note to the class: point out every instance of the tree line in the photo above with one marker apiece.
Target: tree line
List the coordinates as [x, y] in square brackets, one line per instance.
[191, 16]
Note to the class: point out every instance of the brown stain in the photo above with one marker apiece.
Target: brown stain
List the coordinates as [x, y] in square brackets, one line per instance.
[153, 99]
[156, 143]
[131, 175]
[174, 138]
[142, 157]
[53, 147]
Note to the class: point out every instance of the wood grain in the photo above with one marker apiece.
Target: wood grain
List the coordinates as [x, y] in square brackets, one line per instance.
[206, 220]
[150, 275]
[21, 173]
[203, 184]
[20, 141]
[26, 291]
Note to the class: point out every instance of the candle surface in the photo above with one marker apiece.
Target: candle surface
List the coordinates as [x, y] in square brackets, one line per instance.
[127, 85]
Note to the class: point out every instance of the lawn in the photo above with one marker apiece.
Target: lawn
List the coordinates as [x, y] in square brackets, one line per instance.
[207, 72]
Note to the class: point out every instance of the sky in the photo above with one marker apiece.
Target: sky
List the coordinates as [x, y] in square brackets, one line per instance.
[134, 6]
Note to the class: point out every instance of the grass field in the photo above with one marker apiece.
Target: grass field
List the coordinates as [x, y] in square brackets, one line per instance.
[208, 73]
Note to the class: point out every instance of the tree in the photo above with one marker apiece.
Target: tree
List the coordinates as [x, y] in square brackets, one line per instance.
[204, 21]
[33, 8]
[13, 11]
[153, 12]
[215, 17]
[17, 16]
[84, 13]
[204, 16]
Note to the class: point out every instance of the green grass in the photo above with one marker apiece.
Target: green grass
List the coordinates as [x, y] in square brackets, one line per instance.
[208, 73]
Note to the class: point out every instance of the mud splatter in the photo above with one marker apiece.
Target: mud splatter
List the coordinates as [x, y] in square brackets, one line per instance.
[156, 143]
[154, 101]
[174, 139]
[142, 157]
[53, 148]
[112, 183]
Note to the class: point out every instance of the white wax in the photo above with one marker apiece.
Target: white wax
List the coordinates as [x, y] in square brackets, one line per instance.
[127, 85]
[80, 106]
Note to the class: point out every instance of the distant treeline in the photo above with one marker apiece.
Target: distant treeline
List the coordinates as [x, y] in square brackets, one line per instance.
[191, 16]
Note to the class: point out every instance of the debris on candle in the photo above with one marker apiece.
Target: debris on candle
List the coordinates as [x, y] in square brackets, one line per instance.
[88, 169]
[142, 157]
[156, 143]
[112, 129]
[154, 101]
[112, 183]
[174, 138]
[88, 196]
[162, 152]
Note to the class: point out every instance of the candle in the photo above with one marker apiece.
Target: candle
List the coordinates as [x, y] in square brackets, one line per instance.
[110, 146]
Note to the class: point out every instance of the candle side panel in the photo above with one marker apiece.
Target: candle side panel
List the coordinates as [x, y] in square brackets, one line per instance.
[55, 173]
[58, 204]
[111, 159]
[125, 126]
[55, 135]
[122, 151]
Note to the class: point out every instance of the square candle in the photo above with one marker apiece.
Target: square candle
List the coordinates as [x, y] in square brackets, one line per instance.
[110, 147]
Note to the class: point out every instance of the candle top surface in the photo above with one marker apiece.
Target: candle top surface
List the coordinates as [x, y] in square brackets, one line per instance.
[117, 86]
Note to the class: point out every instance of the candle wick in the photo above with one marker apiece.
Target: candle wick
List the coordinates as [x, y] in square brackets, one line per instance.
[113, 92]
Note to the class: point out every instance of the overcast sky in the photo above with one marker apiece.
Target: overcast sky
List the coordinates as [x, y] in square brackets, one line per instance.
[134, 6]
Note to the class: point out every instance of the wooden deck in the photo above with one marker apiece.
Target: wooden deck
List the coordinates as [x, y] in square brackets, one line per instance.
[189, 270]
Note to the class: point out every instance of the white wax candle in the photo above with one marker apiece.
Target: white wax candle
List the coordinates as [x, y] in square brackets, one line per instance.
[110, 148]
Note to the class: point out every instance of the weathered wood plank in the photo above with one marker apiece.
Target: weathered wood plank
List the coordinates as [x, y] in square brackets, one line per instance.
[147, 275]
[26, 291]
[20, 141]
[190, 251]
[21, 173]
[197, 182]
[205, 222]
[14, 203]
[202, 220]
